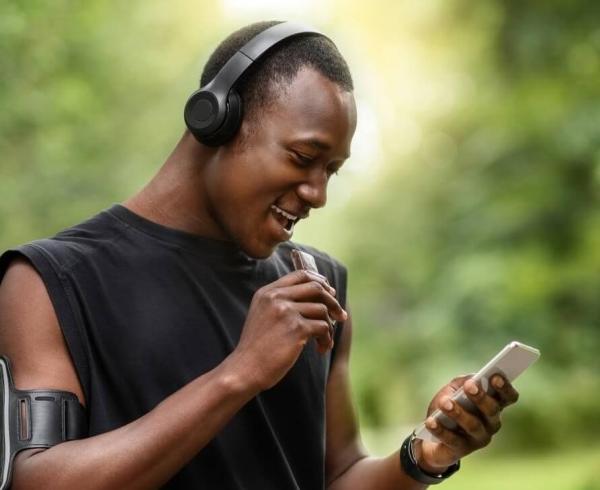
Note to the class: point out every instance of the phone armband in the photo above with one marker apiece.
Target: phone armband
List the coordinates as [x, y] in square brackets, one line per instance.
[34, 419]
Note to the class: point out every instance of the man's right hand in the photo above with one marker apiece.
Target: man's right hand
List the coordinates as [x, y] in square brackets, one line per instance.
[283, 316]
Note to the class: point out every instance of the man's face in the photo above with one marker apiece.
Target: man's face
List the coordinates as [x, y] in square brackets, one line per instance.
[257, 190]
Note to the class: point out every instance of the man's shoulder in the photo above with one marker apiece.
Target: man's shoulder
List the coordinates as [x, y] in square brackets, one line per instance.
[69, 245]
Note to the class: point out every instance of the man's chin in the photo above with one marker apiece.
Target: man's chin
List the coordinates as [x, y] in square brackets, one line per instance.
[262, 253]
[259, 250]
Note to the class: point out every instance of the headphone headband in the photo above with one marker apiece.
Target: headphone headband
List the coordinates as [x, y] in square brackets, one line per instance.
[273, 35]
[209, 111]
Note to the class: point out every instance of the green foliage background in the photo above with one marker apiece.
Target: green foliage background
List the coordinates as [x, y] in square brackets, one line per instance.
[468, 216]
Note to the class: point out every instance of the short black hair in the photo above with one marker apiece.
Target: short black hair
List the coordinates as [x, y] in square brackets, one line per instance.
[278, 65]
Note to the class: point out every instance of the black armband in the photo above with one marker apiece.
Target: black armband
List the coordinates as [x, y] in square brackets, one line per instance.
[34, 419]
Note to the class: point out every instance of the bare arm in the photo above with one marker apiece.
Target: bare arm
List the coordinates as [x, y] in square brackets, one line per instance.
[149, 451]
[142, 454]
[347, 465]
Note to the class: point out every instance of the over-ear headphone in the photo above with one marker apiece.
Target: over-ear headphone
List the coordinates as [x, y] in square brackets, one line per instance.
[213, 113]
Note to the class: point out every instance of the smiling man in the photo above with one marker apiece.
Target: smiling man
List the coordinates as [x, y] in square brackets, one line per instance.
[201, 359]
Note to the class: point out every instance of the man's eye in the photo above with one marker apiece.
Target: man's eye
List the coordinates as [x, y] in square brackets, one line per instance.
[303, 159]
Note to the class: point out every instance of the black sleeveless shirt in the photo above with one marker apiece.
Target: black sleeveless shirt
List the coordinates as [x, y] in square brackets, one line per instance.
[146, 309]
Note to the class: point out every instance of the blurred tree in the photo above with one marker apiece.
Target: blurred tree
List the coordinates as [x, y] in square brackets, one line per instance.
[492, 231]
[87, 94]
[482, 226]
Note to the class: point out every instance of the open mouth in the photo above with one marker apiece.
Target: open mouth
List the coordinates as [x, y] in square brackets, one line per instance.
[287, 220]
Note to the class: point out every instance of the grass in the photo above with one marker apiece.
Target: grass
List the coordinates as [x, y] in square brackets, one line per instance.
[573, 469]
[570, 468]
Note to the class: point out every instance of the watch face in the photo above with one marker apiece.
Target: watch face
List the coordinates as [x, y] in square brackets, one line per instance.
[5, 442]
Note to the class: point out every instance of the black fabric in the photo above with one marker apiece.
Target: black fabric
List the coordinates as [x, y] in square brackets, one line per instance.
[146, 309]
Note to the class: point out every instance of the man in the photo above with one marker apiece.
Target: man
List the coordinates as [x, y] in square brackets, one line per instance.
[202, 359]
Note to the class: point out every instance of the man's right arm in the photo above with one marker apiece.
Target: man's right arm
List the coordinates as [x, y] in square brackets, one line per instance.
[141, 455]
[146, 453]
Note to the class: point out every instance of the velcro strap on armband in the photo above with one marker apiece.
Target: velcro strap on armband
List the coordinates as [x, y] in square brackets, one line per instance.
[35, 419]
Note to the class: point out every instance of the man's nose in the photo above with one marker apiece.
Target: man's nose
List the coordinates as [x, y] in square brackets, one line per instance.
[313, 190]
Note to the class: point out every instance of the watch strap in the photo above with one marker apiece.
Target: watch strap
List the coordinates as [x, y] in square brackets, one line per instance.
[412, 469]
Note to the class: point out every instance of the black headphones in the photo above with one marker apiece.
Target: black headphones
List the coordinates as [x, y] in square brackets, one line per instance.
[213, 113]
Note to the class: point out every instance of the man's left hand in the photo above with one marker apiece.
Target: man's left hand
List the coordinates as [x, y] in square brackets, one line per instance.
[473, 431]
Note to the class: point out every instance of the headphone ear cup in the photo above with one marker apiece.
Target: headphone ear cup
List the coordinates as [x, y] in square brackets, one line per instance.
[201, 113]
[233, 119]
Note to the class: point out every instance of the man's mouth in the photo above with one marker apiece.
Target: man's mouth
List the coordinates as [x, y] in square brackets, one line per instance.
[286, 219]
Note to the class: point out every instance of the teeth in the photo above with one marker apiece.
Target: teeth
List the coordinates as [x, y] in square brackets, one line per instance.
[284, 213]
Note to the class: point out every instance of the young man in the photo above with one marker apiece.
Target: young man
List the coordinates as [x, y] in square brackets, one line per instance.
[202, 359]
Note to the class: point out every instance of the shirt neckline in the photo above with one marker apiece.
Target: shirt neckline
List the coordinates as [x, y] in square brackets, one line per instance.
[195, 243]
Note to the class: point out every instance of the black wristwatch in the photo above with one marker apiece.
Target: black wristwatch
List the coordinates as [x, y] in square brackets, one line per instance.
[411, 468]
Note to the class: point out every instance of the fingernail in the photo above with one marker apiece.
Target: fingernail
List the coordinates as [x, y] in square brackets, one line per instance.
[432, 424]
[472, 389]
[345, 314]
[498, 382]
[448, 405]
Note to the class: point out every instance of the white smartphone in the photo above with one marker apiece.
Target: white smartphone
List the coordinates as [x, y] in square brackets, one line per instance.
[511, 361]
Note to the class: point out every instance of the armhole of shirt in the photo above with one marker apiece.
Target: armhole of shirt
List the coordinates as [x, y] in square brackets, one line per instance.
[341, 276]
[63, 300]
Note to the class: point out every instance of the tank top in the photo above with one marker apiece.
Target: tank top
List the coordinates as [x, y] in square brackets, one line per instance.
[145, 309]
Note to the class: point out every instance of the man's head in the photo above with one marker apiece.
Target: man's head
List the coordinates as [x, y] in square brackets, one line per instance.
[267, 77]
[299, 119]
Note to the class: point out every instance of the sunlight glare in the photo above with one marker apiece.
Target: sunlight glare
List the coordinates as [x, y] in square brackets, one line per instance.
[272, 8]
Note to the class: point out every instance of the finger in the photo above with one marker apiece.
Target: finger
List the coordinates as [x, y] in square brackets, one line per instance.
[505, 392]
[487, 405]
[319, 329]
[316, 311]
[323, 280]
[457, 443]
[459, 381]
[471, 425]
[448, 390]
[314, 291]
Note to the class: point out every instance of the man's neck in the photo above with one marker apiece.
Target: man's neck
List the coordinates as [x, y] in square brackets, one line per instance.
[175, 195]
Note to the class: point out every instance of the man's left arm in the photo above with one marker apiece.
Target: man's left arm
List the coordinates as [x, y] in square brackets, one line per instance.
[348, 465]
